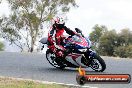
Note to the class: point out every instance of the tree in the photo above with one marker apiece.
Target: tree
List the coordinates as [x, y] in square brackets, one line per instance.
[125, 37]
[97, 32]
[1, 46]
[111, 43]
[124, 52]
[129, 51]
[124, 43]
[28, 17]
[108, 42]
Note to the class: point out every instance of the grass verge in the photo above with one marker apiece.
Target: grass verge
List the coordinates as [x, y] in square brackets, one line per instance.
[6, 82]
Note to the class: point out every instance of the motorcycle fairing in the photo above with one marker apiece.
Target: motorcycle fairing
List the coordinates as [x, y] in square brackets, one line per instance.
[79, 45]
[75, 59]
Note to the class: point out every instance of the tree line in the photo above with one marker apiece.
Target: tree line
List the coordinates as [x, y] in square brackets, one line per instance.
[111, 43]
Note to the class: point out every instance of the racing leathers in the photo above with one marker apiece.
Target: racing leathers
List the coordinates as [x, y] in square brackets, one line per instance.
[56, 37]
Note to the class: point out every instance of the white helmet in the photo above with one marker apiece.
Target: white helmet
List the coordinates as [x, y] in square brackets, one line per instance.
[59, 20]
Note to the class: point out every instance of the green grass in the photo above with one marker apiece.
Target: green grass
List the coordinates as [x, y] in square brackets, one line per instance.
[12, 83]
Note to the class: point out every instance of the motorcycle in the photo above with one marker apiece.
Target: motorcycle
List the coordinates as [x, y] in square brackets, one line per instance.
[79, 53]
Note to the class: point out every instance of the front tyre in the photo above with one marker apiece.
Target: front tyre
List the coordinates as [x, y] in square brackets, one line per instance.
[97, 63]
[51, 57]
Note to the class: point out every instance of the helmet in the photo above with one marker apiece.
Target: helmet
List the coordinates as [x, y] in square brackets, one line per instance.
[58, 20]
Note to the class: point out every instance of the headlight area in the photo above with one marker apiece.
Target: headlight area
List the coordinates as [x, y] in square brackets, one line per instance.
[82, 50]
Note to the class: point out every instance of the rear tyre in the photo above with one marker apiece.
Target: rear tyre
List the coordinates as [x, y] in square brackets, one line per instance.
[51, 57]
[97, 63]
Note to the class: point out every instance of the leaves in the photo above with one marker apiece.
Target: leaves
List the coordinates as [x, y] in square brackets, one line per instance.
[1, 46]
[123, 51]
[110, 43]
[97, 32]
[28, 16]
[107, 43]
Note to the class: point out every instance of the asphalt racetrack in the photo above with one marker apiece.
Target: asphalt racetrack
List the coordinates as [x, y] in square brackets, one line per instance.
[35, 66]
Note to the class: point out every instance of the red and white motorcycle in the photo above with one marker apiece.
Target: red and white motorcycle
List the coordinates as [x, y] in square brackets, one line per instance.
[78, 54]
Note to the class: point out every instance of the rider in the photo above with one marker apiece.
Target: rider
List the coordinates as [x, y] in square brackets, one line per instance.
[56, 37]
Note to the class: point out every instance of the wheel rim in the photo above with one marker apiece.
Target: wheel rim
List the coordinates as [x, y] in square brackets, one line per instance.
[95, 65]
[51, 58]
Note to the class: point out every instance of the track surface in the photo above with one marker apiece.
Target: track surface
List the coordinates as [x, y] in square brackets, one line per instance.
[35, 66]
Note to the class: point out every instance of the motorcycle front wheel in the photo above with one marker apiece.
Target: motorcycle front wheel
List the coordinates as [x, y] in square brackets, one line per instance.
[97, 63]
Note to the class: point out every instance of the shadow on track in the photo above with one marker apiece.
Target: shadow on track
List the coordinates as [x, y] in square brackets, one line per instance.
[68, 70]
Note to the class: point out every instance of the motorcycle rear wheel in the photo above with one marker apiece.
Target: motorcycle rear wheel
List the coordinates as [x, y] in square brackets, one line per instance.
[51, 57]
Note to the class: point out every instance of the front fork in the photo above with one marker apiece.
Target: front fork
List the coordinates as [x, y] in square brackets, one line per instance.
[89, 56]
[91, 53]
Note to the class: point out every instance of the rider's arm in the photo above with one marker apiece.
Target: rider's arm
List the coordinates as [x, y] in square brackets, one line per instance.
[68, 31]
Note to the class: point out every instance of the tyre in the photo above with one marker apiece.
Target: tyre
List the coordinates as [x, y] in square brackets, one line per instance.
[51, 57]
[97, 63]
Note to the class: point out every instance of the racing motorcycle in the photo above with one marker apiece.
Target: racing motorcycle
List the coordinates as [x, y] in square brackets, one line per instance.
[79, 53]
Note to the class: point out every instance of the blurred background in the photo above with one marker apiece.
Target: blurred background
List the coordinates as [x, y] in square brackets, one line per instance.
[106, 22]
